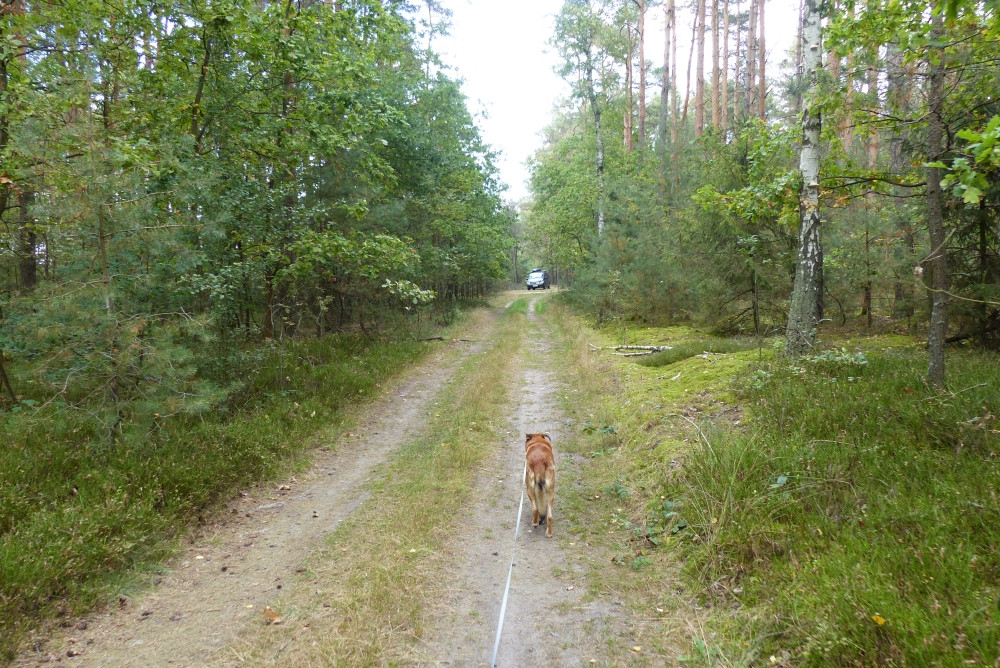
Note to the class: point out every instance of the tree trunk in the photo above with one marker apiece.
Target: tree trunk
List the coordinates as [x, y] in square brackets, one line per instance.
[800, 334]
[5, 188]
[699, 96]
[715, 65]
[630, 102]
[898, 96]
[687, 86]
[725, 69]
[737, 91]
[761, 58]
[797, 101]
[935, 216]
[592, 94]
[642, 73]
[667, 83]
[751, 71]
[6, 381]
[672, 20]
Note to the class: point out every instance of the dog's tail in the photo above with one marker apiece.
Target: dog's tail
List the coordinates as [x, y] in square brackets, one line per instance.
[540, 496]
[544, 480]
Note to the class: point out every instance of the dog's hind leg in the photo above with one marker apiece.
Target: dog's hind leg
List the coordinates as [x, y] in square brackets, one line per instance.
[548, 513]
[550, 496]
[529, 485]
[541, 494]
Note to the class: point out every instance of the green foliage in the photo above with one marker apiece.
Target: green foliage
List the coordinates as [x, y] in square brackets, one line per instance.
[966, 179]
[77, 509]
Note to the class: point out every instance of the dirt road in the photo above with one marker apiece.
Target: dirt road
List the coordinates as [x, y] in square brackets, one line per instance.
[546, 622]
[249, 556]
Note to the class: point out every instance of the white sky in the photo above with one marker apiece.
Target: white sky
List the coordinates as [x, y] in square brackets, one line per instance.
[501, 50]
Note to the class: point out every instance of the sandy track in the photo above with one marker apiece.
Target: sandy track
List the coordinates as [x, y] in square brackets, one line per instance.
[238, 565]
[548, 622]
[235, 566]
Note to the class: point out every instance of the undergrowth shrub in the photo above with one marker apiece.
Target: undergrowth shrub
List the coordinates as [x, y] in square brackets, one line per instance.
[856, 520]
[77, 508]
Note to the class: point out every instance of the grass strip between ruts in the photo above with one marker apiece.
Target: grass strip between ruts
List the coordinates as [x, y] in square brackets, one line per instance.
[365, 601]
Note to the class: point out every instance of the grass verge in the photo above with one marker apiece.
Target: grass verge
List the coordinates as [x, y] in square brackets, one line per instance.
[834, 511]
[856, 522]
[376, 569]
[81, 515]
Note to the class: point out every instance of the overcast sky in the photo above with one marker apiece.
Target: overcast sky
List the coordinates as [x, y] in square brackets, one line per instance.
[501, 50]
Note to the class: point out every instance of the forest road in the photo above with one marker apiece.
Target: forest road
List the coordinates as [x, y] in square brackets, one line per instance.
[548, 620]
[239, 563]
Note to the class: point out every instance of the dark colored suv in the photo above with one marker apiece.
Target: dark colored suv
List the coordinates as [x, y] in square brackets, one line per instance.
[538, 278]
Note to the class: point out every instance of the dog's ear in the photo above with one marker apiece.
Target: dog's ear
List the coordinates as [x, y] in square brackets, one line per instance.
[547, 437]
[527, 437]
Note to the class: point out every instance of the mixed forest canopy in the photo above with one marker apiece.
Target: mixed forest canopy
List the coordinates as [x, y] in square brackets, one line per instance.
[180, 178]
[678, 190]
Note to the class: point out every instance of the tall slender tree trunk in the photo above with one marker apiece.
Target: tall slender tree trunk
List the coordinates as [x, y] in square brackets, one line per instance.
[797, 101]
[898, 102]
[751, 61]
[627, 130]
[687, 87]
[642, 73]
[667, 83]
[846, 130]
[800, 335]
[699, 96]
[596, 110]
[737, 70]
[672, 19]
[27, 238]
[715, 65]
[937, 260]
[725, 68]
[761, 59]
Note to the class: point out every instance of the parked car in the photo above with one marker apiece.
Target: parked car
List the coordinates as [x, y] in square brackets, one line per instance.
[538, 278]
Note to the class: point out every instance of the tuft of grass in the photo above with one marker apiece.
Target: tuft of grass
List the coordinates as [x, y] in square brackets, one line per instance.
[379, 566]
[519, 305]
[79, 513]
[857, 523]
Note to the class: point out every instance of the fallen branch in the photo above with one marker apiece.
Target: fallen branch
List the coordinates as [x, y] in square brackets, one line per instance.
[441, 338]
[649, 349]
[639, 354]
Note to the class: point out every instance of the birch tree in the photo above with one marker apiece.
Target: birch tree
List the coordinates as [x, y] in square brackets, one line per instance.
[800, 334]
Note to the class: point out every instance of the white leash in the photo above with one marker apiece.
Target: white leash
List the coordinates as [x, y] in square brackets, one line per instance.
[510, 571]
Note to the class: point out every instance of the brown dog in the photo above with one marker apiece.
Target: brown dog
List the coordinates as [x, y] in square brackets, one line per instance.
[540, 477]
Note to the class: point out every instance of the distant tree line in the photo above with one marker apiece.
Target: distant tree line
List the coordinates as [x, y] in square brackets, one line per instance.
[180, 179]
[697, 216]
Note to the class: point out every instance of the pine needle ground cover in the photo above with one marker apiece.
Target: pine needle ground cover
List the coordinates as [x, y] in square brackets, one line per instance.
[81, 514]
[833, 511]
